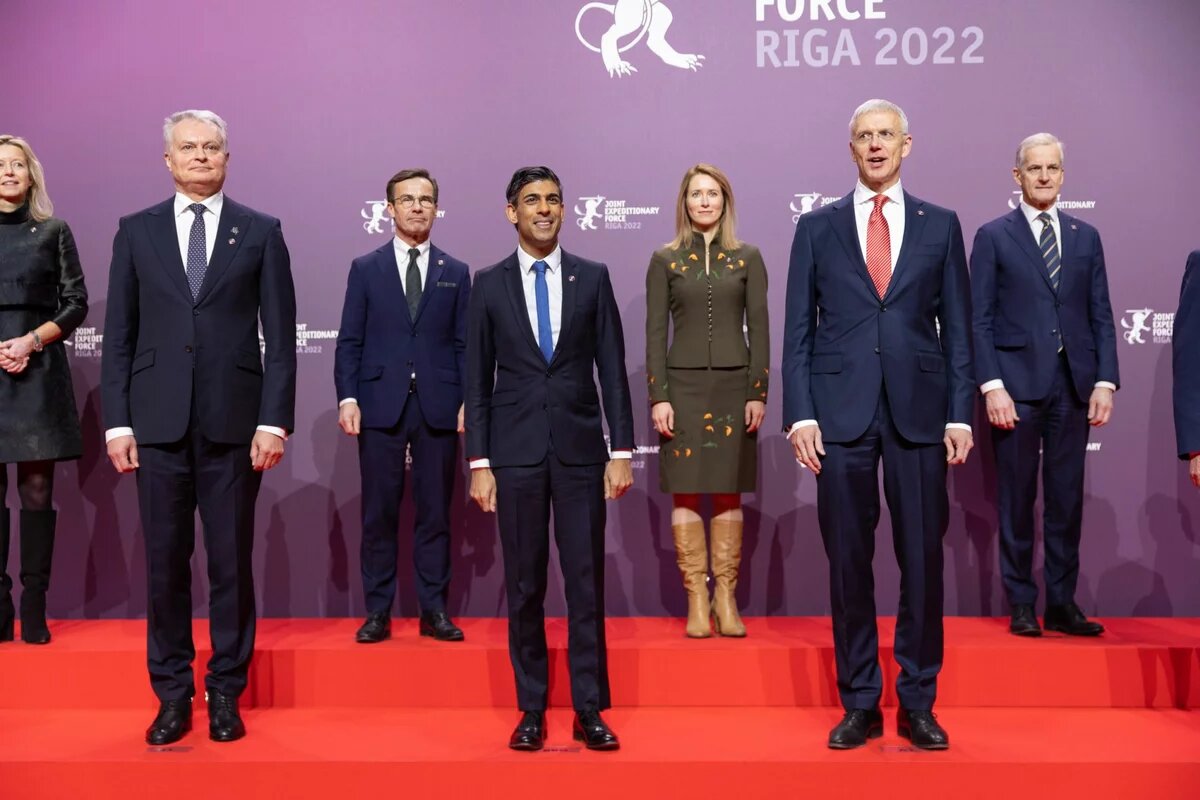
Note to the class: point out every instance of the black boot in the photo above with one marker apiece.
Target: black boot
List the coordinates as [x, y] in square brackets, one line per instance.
[37, 551]
[6, 604]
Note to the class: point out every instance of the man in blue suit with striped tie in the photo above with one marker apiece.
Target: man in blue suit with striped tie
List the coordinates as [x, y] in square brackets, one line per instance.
[1046, 363]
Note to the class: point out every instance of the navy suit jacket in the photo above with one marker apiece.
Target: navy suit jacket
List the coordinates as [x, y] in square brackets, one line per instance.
[516, 402]
[162, 348]
[843, 344]
[380, 346]
[1019, 316]
[1185, 361]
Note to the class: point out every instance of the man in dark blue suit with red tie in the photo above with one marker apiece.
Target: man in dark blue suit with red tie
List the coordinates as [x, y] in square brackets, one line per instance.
[544, 326]
[1046, 363]
[877, 365]
[398, 370]
[1185, 346]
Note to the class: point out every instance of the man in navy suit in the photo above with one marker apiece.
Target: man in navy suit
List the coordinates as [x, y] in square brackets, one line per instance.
[1185, 361]
[1046, 363]
[543, 326]
[401, 356]
[868, 374]
[197, 410]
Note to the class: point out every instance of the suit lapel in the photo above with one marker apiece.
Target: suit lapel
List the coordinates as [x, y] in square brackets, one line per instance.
[914, 226]
[232, 228]
[433, 274]
[165, 239]
[1022, 234]
[1067, 247]
[516, 296]
[570, 296]
[389, 280]
[847, 232]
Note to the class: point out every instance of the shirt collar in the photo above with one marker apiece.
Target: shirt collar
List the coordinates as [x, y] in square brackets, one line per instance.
[402, 248]
[894, 193]
[1031, 213]
[552, 261]
[213, 203]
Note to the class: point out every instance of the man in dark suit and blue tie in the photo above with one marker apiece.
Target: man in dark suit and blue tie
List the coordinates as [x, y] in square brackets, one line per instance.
[877, 365]
[544, 325]
[1046, 363]
[401, 358]
[1185, 360]
[192, 404]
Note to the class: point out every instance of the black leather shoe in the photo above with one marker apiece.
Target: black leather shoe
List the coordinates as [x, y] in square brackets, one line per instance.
[438, 625]
[922, 729]
[173, 721]
[224, 722]
[530, 733]
[1070, 620]
[377, 628]
[856, 727]
[590, 729]
[1024, 622]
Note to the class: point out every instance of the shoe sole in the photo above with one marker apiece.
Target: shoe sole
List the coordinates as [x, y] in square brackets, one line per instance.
[526, 748]
[873, 733]
[907, 734]
[1066, 632]
[434, 636]
[599, 747]
[184, 732]
[216, 738]
[1031, 633]
[357, 640]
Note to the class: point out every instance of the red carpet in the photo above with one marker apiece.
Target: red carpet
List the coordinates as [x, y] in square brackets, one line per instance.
[1056, 717]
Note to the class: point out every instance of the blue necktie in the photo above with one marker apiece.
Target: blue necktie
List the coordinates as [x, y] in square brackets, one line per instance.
[541, 292]
[1048, 242]
[197, 260]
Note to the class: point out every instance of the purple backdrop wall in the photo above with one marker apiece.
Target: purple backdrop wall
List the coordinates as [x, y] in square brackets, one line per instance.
[326, 101]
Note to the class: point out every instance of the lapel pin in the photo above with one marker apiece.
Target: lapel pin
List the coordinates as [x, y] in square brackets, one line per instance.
[233, 230]
[920, 213]
[233, 241]
[33, 229]
[571, 279]
[440, 262]
[1074, 227]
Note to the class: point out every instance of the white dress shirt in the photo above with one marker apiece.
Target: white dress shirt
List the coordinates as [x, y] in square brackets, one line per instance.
[893, 214]
[554, 285]
[184, 219]
[1035, 226]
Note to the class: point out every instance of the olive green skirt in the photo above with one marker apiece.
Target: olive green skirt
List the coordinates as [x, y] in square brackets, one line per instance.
[711, 453]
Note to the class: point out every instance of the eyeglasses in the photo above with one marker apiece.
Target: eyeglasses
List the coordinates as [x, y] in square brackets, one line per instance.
[407, 201]
[884, 136]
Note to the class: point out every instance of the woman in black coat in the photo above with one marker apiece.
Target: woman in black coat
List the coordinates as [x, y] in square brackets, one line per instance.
[42, 299]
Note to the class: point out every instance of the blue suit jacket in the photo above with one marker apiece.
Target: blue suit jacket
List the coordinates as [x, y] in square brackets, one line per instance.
[380, 346]
[1018, 316]
[516, 402]
[1185, 361]
[843, 344]
[161, 347]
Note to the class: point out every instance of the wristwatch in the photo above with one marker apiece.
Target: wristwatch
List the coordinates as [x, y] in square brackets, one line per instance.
[37, 341]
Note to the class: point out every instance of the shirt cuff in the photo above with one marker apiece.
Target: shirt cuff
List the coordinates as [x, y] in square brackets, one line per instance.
[116, 433]
[1105, 385]
[280, 432]
[347, 400]
[480, 463]
[958, 426]
[804, 423]
[617, 455]
[987, 387]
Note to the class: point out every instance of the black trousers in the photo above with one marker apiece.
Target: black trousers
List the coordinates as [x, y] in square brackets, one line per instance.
[381, 458]
[914, 482]
[173, 481]
[524, 499]
[1055, 427]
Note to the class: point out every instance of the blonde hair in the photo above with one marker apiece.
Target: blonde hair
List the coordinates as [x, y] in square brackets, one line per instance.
[40, 207]
[726, 225]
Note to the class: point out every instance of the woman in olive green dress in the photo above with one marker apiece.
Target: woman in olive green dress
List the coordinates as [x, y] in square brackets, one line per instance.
[708, 388]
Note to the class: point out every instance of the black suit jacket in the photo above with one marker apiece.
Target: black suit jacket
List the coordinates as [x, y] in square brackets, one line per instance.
[516, 403]
[161, 347]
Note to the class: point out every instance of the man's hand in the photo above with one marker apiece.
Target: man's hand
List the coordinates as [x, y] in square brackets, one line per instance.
[1001, 411]
[462, 419]
[122, 452]
[265, 450]
[350, 418]
[1100, 406]
[483, 488]
[618, 477]
[755, 411]
[958, 443]
[662, 414]
[1194, 469]
[807, 444]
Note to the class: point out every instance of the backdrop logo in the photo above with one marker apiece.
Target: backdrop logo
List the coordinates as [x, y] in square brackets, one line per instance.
[615, 214]
[1139, 321]
[806, 202]
[86, 343]
[647, 19]
[377, 218]
[1015, 201]
[308, 340]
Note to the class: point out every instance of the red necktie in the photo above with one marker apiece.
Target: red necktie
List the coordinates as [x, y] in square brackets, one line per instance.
[879, 247]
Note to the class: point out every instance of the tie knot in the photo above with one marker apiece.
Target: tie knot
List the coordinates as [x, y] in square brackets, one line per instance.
[879, 199]
[1045, 218]
[539, 267]
[196, 208]
[413, 254]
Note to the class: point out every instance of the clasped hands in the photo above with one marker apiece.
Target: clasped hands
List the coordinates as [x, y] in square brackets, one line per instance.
[14, 353]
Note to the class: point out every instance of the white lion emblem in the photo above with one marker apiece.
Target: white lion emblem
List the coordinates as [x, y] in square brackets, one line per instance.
[591, 210]
[1133, 332]
[649, 18]
[374, 220]
[807, 201]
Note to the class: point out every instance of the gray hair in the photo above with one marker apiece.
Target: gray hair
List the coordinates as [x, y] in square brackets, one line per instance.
[1038, 140]
[197, 114]
[880, 105]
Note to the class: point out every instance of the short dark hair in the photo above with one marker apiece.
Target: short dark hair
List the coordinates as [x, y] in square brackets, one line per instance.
[527, 175]
[407, 175]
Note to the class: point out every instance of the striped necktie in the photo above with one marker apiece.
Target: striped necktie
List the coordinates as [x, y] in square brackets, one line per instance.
[879, 247]
[1048, 242]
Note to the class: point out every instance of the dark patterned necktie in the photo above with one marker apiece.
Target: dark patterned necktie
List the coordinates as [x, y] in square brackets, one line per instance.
[1049, 244]
[197, 259]
[412, 283]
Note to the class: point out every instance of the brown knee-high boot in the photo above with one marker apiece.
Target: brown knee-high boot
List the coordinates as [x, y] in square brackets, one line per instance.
[692, 557]
[726, 558]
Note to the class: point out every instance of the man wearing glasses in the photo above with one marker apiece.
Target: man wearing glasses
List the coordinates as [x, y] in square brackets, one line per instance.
[398, 370]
